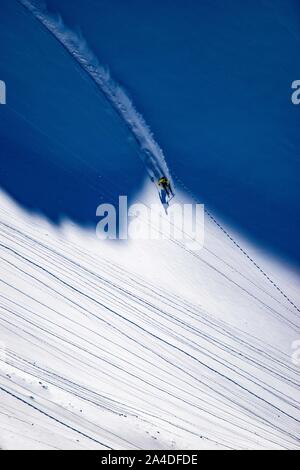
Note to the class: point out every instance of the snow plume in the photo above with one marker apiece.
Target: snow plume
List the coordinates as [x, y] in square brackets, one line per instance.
[150, 152]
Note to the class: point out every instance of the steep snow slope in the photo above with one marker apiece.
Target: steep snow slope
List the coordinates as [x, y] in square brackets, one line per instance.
[143, 345]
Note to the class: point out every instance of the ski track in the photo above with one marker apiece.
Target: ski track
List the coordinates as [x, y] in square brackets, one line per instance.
[90, 344]
[149, 150]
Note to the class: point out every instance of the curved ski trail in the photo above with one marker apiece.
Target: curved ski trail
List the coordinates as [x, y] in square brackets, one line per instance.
[150, 152]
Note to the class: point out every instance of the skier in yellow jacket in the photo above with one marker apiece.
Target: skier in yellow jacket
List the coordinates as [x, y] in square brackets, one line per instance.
[165, 184]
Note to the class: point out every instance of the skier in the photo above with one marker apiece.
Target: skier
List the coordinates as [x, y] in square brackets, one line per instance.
[165, 184]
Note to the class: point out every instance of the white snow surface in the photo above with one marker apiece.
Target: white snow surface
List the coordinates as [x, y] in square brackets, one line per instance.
[142, 344]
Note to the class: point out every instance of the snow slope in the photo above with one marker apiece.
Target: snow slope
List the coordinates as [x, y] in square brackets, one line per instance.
[138, 344]
[146, 345]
